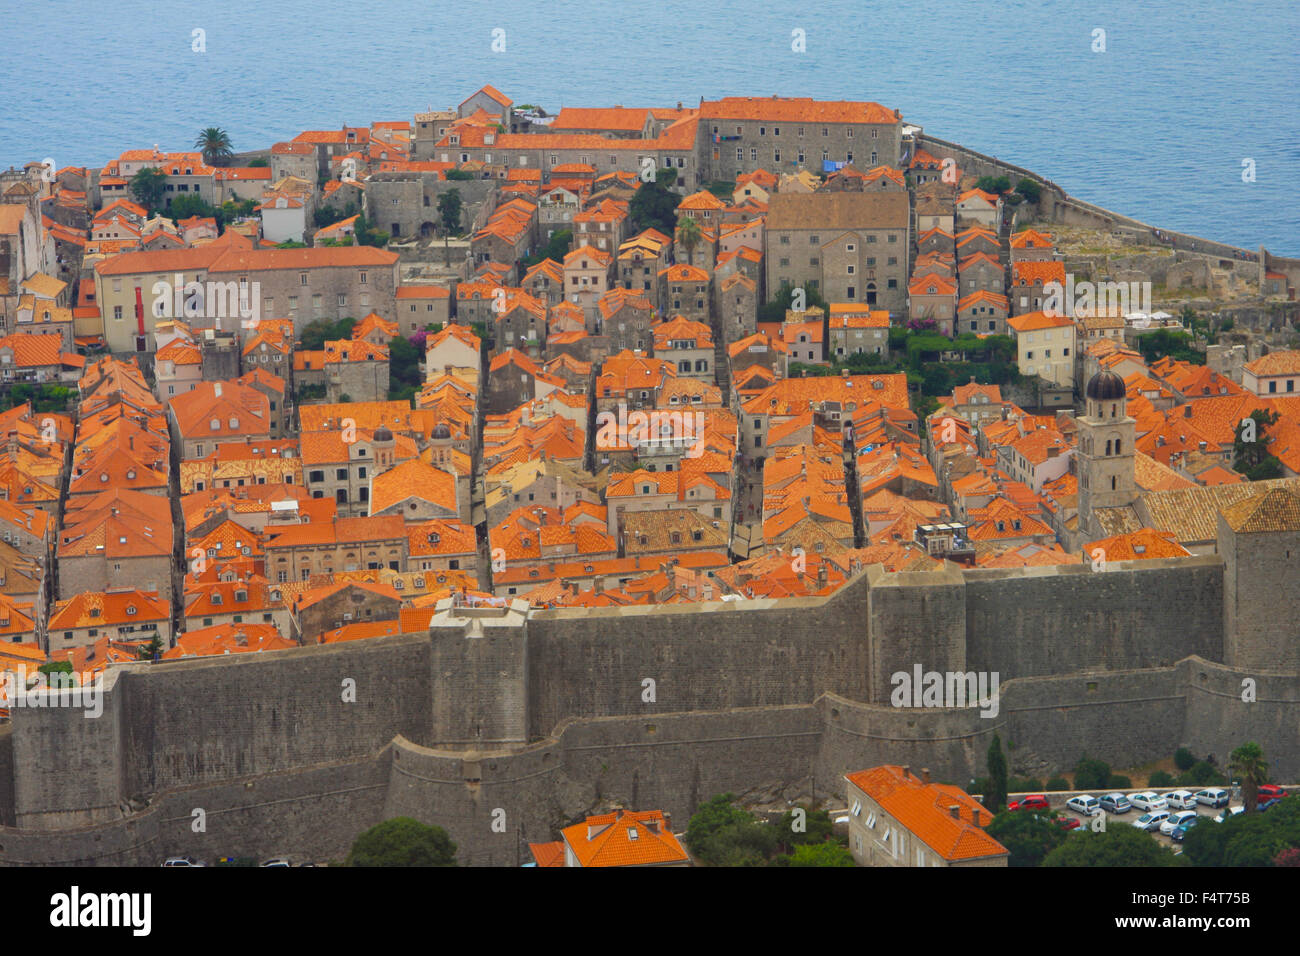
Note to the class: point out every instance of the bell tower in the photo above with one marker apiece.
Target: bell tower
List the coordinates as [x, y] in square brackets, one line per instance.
[1105, 451]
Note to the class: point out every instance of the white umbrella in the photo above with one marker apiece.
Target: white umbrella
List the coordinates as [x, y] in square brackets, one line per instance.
[1161, 315]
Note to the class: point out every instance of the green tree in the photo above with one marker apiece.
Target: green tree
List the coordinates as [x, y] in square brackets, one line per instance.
[368, 235]
[1028, 837]
[557, 247]
[328, 214]
[817, 827]
[689, 236]
[1091, 774]
[403, 841]
[404, 362]
[153, 648]
[654, 205]
[458, 175]
[148, 186]
[214, 143]
[1252, 457]
[1184, 759]
[1202, 774]
[449, 207]
[1162, 342]
[994, 184]
[258, 163]
[995, 798]
[720, 834]
[1247, 839]
[1030, 189]
[183, 207]
[775, 308]
[820, 854]
[1248, 765]
[316, 334]
[1115, 846]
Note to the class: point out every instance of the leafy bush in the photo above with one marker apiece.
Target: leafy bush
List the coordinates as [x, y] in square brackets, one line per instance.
[1161, 778]
[403, 841]
[1058, 783]
[1119, 782]
[1184, 759]
[1024, 785]
[1202, 774]
[1091, 774]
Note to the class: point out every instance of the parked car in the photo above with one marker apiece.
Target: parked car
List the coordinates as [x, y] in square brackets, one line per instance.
[1176, 819]
[1087, 805]
[1033, 801]
[1149, 801]
[1228, 812]
[1181, 800]
[1269, 804]
[1152, 820]
[1212, 797]
[1115, 803]
[1268, 791]
[183, 861]
[1069, 823]
[1180, 832]
[278, 861]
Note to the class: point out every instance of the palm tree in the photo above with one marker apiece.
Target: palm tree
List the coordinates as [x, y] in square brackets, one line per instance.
[215, 145]
[689, 236]
[1248, 765]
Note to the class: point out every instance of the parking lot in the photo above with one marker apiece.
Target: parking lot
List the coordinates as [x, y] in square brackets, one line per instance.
[1057, 801]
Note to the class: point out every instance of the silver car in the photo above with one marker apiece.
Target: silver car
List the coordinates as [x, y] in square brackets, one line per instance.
[1115, 803]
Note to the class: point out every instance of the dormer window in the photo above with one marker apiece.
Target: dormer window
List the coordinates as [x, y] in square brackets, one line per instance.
[130, 609]
[215, 424]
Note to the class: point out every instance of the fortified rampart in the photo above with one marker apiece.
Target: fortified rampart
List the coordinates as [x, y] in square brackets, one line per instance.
[502, 725]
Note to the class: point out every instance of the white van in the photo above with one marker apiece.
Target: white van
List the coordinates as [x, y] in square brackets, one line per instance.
[1151, 821]
[1212, 797]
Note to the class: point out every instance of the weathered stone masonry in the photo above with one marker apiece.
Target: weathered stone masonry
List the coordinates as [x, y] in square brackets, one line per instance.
[542, 714]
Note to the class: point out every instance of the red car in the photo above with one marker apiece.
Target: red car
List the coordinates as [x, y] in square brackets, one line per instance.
[1069, 823]
[1269, 791]
[1033, 801]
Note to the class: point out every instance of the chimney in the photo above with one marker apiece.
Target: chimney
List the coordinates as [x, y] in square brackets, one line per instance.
[216, 389]
[1187, 410]
[907, 770]
[925, 774]
[668, 822]
[821, 583]
[955, 810]
[598, 585]
[975, 817]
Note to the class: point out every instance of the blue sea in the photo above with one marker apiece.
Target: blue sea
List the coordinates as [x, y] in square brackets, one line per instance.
[1157, 125]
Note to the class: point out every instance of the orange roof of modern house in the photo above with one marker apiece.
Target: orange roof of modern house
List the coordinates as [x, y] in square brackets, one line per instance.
[926, 810]
[624, 838]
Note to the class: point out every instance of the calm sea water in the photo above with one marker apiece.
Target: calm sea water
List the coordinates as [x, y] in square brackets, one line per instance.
[1156, 127]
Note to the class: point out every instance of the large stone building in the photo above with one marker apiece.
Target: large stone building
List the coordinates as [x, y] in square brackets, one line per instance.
[135, 290]
[850, 247]
[743, 133]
